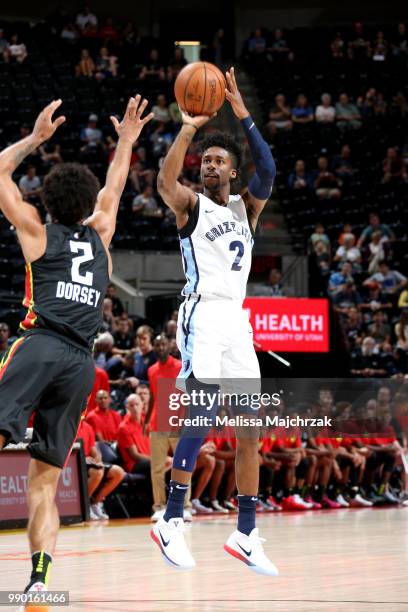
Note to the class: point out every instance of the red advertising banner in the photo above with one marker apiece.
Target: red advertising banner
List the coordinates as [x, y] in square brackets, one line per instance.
[13, 486]
[289, 325]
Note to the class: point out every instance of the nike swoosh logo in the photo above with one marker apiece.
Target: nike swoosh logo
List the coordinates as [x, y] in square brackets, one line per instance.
[248, 554]
[209, 211]
[164, 541]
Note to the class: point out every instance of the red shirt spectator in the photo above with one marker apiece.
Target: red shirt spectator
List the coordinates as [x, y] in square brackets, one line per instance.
[103, 420]
[101, 382]
[133, 444]
[166, 367]
[87, 434]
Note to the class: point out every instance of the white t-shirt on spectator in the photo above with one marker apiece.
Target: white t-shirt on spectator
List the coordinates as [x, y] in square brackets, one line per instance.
[28, 185]
[352, 254]
[161, 114]
[17, 50]
[83, 20]
[92, 135]
[325, 114]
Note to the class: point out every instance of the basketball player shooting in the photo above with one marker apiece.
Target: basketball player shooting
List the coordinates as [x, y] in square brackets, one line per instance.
[214, 334]
[50, 368]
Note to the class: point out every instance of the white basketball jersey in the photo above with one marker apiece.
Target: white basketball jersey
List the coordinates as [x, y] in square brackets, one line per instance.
[217, 254]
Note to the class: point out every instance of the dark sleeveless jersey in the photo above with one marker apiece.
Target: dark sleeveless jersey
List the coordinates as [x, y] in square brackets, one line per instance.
[66, 287]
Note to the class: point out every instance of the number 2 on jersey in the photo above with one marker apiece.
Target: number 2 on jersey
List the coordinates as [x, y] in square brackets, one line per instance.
[237, 245]
[77, 247]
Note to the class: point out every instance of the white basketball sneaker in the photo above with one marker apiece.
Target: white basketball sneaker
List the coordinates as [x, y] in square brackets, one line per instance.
[249, 549]
[169, 537]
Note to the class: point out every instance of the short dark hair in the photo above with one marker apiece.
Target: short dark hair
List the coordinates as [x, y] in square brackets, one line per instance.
[70, 191]
[224, 141]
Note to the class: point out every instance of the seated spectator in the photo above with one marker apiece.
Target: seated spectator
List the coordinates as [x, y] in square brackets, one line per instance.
[257, 43]
[106, 64]
[399, 44]
[176, 63]
[375, 299]
[133, 443]
[143, 392]
[349, 252]
[380, 48]
[338, 280]
[153, 69]
[145, 355]
[121, 372]
[50, 154]
[146, 204]
[352, 325]
[367, 361]
[160, 109]
[4, 45]
[279, 48]
[325, 112]
[375, 225]
[342, 164]
[393, 167]
[403, 298]
[105, 424]
[274, 287]
[319, 235]
[377, 251]
[16, 50]
[279, 116]
[401, 331]
[123, 337]
[326, 183]
[380, 106]
[117, 306]
[86, 18]
[4, 338]
[91, 135]
[102, 478]
[108, 320]
[175, 115]
[161, 139]
[346, 232]
[359, 47]
[86, 65]
[101, 382]
[337, 47]
[347, 114]
[69, 33]
[103, 349]
[205, 467]
[322, 254]
[299, 180]
[30, 185]
[109, 33]
[141, 172]
[366, 104]
[379, 329]
[347, 298]
[302, 112]
[391, 281]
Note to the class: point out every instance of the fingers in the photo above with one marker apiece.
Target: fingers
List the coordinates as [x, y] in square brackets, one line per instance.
[132, 107]
[59, 121]
[148, 118]
[141, 107]
[50, 109]
[115, 122]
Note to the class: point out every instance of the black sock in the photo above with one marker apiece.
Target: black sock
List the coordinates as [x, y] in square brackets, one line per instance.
[246, 515]
[42, 563]
[175, 503]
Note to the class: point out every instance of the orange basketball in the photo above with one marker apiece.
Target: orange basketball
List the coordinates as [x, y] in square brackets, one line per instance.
[200, 88]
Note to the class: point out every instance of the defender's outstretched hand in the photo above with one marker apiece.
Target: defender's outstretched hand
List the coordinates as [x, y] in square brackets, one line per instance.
[132, 123]
[233, 95]
[45, 125]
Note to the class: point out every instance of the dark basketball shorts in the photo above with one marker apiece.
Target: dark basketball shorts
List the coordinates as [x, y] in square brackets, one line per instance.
[53, 377]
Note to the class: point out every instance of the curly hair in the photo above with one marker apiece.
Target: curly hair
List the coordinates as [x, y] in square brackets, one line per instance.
[224, 141]
[69, 193]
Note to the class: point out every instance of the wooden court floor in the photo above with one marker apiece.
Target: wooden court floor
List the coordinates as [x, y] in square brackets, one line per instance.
[329, 561]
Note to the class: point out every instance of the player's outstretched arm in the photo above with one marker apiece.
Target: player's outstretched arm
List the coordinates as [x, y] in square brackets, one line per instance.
[178, 197]
[260, 185]
[22, 215]
[103, 220]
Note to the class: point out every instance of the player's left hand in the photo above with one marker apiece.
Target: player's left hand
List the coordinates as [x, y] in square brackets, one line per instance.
[45, 126]
[132, 123]
[233, 95]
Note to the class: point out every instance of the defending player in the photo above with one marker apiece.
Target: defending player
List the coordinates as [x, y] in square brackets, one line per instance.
[214, 335]
[50, 367]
